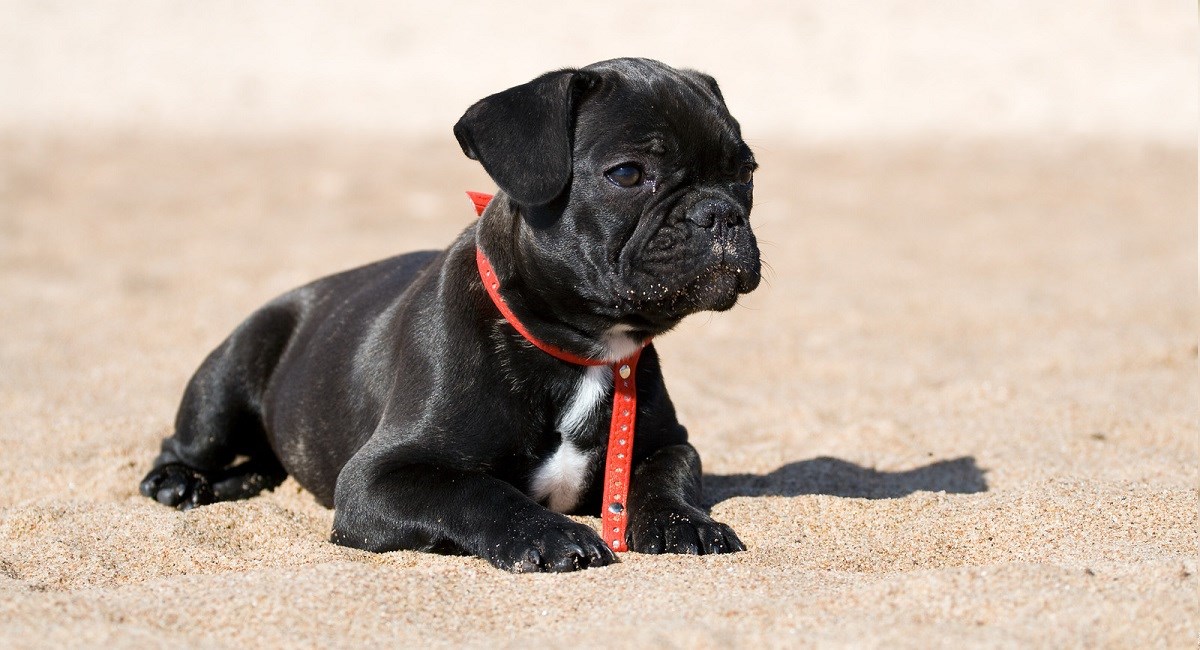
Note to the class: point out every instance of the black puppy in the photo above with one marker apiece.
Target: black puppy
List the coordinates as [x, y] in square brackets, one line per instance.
[398, 394]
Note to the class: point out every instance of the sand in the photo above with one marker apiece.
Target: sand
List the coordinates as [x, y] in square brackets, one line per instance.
[962, 409]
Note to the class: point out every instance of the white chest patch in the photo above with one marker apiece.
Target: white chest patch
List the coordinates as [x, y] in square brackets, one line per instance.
[589, 392]
[560, 479]
[620, 345]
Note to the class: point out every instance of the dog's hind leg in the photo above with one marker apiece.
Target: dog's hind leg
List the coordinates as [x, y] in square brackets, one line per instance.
[220, 419]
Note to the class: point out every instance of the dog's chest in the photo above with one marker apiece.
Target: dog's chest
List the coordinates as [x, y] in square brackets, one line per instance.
[561, 478]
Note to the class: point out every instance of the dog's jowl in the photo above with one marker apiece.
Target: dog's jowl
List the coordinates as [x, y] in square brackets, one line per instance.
[402, 395]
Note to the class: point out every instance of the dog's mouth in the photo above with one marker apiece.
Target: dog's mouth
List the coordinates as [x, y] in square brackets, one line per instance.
[687, 268]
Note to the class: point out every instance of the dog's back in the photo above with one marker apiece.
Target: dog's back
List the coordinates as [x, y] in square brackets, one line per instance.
[227, 409]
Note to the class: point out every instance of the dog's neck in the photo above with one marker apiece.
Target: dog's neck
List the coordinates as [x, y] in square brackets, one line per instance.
[533, 300]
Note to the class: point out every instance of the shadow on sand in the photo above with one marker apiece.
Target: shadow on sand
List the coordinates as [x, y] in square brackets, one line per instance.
[834, 477]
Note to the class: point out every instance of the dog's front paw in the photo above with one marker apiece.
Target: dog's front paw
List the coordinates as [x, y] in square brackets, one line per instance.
[178, 486]
[550, 545]
[681, 531]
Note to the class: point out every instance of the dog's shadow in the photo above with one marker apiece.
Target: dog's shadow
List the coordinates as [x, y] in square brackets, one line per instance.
[835, 477]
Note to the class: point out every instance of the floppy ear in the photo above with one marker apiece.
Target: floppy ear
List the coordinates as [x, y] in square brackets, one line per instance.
[522, 136]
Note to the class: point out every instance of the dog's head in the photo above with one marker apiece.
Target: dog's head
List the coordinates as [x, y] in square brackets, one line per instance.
[633, 187]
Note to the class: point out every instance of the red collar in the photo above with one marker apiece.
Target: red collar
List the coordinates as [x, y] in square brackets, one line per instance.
[619, 458]
[492, 284]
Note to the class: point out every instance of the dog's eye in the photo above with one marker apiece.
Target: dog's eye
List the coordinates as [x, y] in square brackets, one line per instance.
[746, 174]
[627, 175]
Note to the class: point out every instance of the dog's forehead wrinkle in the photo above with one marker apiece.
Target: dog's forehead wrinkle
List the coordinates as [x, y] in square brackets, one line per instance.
[641, 91]
[655, 144]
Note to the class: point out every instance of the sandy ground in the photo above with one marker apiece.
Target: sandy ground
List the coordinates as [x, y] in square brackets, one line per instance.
[961, 410]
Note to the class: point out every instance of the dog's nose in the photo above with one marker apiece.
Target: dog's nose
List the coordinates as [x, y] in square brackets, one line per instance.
[710, 211]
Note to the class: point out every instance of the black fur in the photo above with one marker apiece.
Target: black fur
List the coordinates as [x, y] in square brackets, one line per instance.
[398, 395]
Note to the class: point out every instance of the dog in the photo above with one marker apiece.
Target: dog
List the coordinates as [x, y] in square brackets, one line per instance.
[401, 394]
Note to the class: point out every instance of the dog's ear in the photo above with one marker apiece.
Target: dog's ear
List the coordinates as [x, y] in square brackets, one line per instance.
[522, 136]
[711, 82]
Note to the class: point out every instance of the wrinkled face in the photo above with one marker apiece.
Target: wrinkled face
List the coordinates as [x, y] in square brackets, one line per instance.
[661, 175]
